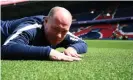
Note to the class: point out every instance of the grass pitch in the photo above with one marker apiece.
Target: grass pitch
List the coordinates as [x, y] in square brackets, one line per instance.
[105, 60]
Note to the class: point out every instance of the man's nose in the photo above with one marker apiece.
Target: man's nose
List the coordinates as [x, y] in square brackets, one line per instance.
[59, 35]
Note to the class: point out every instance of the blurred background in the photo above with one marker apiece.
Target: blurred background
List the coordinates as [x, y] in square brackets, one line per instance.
[91, 19]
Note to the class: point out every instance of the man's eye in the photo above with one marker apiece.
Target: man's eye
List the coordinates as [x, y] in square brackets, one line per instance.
[64, 31]
[55, 29]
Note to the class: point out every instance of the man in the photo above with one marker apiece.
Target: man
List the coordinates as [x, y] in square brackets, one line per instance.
[37, 37]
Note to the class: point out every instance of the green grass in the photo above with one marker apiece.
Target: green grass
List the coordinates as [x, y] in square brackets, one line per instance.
[105, 60]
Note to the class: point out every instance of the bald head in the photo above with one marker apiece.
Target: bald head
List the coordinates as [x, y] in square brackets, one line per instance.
[60, 14]
[57, 24]
[56, 9]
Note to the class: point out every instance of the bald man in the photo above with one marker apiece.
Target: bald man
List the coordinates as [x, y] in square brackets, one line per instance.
[37, 37]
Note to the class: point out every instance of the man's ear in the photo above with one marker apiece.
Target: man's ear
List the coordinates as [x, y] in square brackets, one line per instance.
[46, 19]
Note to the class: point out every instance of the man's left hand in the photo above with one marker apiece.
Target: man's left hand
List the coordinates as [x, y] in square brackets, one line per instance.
[70, 51]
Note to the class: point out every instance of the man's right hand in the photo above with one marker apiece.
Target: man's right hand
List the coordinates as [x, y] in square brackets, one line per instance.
[56, 55]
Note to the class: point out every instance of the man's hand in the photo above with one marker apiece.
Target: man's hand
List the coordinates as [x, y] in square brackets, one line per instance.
[70, 51]
[56, 55]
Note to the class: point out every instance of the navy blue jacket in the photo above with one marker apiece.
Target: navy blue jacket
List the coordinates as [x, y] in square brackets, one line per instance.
[24, 39]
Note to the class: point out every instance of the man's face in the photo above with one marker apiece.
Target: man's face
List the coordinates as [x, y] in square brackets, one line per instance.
[56, 30]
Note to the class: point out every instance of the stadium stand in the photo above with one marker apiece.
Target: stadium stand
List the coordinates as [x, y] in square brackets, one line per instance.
[86, 16]
[106, 30]
[126, 12]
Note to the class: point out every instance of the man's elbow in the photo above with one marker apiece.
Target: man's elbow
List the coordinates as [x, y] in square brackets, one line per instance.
[85, 48]
[81, 48]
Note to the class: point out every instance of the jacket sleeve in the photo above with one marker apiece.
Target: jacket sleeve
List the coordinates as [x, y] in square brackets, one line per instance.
[17, 45]
[75, 42]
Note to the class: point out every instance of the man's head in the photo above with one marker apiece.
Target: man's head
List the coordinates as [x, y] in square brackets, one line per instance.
[57, 24]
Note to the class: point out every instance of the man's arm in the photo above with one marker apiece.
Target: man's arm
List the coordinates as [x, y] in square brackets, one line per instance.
[16, 46]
